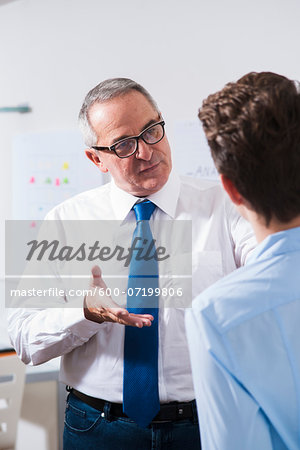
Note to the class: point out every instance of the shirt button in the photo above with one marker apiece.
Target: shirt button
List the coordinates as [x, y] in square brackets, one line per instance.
[102, 414]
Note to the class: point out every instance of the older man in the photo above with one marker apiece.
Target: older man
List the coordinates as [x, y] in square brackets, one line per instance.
[131, 387]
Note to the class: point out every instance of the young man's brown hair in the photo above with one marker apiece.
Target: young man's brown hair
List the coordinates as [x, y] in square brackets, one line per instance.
[253, 129]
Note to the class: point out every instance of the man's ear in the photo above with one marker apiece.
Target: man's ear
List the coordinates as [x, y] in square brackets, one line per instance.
[231, 190]
[92, 155]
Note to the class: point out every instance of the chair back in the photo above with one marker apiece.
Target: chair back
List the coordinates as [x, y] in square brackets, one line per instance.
[12, 378]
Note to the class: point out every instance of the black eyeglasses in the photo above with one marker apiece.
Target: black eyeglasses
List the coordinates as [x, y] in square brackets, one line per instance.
[128, 146]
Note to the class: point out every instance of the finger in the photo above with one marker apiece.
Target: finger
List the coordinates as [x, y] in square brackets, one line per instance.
[97, 278]
[134, 321]
[124, 318]
[96, 272]
[144, 316]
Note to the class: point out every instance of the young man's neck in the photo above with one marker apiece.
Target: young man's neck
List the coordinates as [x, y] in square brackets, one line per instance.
[257, 221]
[262, 231]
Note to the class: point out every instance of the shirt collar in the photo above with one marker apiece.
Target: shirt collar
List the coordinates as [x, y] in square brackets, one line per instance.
[276, 244]
[165, 199]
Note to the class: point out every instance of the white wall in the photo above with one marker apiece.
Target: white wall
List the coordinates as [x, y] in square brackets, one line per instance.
[53, 51]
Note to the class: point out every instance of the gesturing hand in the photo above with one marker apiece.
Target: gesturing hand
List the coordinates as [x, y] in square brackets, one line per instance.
[102, 308]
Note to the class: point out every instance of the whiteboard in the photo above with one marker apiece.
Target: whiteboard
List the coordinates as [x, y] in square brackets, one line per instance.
[191, 153]
[48, 168]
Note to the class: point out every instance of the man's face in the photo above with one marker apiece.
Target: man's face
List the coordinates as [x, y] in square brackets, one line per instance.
[148, 169]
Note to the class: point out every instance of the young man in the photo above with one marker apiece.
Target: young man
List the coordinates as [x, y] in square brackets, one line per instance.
[243, 332]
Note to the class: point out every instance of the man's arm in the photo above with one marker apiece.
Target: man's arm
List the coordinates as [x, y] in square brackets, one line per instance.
[39, 335]
[229, 417]
[241, 232]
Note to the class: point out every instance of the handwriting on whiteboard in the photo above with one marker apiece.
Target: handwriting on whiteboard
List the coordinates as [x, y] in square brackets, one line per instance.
[191, 153]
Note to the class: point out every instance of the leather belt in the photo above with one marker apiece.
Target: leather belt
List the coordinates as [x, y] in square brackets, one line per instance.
[169, 412]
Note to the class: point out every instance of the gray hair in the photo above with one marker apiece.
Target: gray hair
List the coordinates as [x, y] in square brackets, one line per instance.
[104, 91]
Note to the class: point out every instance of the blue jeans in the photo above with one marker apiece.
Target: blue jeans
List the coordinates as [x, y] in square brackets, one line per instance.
[87, 428]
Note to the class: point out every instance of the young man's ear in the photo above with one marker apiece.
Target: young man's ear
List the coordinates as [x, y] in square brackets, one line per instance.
[92, 155]
[231, 190]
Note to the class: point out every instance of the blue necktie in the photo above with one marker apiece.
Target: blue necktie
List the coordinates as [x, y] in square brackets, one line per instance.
[140, 381]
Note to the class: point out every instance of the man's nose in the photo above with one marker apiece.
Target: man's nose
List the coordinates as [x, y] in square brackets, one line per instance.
[144, 151]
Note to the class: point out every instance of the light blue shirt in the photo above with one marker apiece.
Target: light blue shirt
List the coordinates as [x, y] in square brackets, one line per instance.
[244, 340]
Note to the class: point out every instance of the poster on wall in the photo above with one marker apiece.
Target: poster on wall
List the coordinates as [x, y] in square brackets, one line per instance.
[191, 153]
[48, 168]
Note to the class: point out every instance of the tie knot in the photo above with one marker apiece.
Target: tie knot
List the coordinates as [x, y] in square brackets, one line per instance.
[144, 210]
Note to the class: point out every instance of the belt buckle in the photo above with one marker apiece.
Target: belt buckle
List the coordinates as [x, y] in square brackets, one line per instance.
[180, 412]
[179, 415]
[161, 421]
[168, 414]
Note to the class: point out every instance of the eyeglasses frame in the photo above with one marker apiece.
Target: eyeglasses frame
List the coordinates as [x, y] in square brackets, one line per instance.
[112, 147]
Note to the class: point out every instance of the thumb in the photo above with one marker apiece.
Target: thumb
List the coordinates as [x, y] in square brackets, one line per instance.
[97, 276]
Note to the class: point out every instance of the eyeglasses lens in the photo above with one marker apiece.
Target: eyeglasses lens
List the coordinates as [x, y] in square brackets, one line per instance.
[151, 136]
[126, 148]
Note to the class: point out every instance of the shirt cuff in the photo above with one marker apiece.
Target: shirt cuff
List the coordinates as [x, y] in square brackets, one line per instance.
[79, 325]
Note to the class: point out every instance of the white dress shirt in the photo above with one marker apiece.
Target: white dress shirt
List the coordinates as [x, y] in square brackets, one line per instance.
[92, 360]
